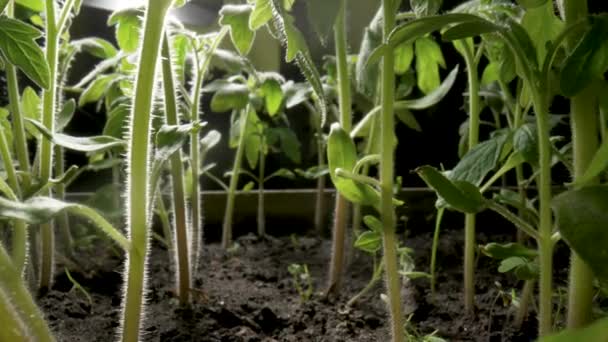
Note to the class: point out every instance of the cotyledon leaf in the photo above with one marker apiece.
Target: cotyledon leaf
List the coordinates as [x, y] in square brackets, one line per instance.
[82, 144]
[38, 210]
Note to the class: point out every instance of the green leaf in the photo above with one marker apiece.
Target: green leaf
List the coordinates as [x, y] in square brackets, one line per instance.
[65, 115]
[507, 250]
[128, 26]
[480, 160]
[511, 263]
[82, 144]
[342, 153]
[369, 241]
[297, 50]
[313, 172]
[373, 223]
[542, 26]
[588, 61]
[459, 195]
[237, 18]
[211, 139]
[525, 141]
[97, 47]
[404, 55]
[367, 69]
[582, 217]
[249, 186]
[254, 142]
[34, 5]
[428, 60]
[273, 96]
[230, 96]
[283, 173]
[170, 138]
[261, 14]
[290, 145]
[32, 109]
[408, 119]
[424, 8]
[18, 46]
[116, 125]
[468, 30]
[433, 97]
[414, 29]
[96, 89]
[532, 3]
[295, 93]
[490, 74]
[595, 332]
[322, 16]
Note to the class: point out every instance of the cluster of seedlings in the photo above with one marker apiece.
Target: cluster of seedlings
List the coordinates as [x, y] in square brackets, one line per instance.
[519, 58]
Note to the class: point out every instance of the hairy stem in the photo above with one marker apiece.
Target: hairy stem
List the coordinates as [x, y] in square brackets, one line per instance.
[181, 246]
[62, 220]
[138, 194]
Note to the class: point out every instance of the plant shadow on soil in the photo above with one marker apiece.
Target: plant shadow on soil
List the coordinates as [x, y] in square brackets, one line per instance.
[248, 295]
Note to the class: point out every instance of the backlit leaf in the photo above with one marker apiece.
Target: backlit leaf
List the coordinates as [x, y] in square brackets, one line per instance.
[230, 96]
[128, 24]
[429, 59]
[237, 18]
[273, 96]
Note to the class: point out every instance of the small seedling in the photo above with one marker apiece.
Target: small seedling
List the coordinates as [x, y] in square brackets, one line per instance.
[302, 280]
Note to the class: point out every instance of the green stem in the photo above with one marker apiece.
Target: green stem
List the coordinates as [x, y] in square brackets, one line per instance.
[13, 286]
[376, 277]
[344, 99]
[320, 196]
[469, 228]
[584, 118]
[49, 100]
[14, 329]
[163, 216]
[238, 157]
[138, 194]
[181, 247]
[434, 249]
[62, 220]
[387, 213]
[545, 244]
[261, 216]
[524, 303]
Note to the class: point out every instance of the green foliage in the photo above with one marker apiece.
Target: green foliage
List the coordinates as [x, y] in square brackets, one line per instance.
[237, 18]
[82, 144]
[230, 96]
[581, 217]
[595, 332]
[458, 194]
[481, 159]
[128, 26]
[342, 153]
[428, 60]
[588, 61]
[18, 46]
[322, 15]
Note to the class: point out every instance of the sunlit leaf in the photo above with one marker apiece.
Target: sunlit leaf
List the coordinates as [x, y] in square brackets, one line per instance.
[273, 96]
[128, 24]
[81, 144]
[429, 59]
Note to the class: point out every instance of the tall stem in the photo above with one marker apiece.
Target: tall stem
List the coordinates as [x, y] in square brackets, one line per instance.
[16, 113]
[386, 177]
[320, 195]
[584, 118]
[238, 157]
[181, 246]
[545, 245]
[344, 97]
[49, 98]
[469, 227]
[62, 220]
[261, 213]
[138, 194]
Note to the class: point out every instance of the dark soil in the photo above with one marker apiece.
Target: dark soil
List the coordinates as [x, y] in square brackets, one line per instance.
[248, 295]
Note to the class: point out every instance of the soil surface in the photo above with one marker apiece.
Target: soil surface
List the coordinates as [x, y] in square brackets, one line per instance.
[247, 294]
